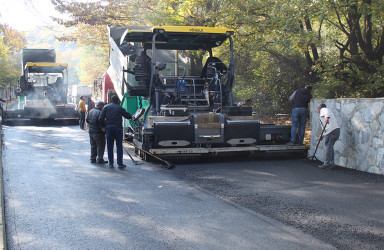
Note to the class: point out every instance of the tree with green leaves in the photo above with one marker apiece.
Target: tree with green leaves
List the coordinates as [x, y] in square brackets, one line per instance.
[90, 19]
[88, 22]
[337, 46]
[11, 43]
[355, 66]
[280, 45]
[271, 46]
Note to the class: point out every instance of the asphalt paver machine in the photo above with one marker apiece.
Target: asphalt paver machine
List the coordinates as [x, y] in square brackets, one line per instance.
[42, 91]
[187, 110]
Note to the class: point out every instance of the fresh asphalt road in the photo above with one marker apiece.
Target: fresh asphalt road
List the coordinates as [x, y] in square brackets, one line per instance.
[342, 207]
[56, 199]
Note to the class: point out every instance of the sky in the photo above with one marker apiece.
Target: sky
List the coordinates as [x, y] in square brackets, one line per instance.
[24, 15]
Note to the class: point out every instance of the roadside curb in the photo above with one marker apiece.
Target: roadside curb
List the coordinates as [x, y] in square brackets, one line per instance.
[3, 239]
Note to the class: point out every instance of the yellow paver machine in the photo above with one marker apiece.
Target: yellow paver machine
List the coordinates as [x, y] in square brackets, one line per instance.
[188, 104]
[42, 91]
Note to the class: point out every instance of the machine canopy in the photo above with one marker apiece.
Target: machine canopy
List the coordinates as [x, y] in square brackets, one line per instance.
[45, 67]
[178, 37]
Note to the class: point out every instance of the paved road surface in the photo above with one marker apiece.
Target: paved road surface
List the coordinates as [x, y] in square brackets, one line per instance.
[342, 207]
[56, 199]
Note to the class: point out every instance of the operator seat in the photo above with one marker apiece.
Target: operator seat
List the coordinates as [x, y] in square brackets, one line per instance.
[142, 69]
[142, 72]
[215, 62]
[59, 80]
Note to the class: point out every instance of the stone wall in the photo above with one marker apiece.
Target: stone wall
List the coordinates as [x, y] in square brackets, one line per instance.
[361, 142]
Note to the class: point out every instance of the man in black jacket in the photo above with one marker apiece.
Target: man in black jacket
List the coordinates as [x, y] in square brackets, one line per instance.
[300, 99]
[111, 119]
[1, 107]
[96, 134]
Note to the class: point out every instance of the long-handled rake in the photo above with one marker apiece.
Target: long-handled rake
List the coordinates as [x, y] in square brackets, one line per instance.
[318, 142]
[169, 164]
[134, 162]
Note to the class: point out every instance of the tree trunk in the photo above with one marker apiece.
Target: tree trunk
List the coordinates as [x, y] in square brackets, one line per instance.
[308, 26]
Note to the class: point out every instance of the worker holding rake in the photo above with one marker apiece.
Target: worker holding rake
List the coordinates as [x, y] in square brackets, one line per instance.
[331, 132]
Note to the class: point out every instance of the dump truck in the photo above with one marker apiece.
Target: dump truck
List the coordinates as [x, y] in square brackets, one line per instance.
[42, 91]
[107, 88]
[186, 110]
[80, 90]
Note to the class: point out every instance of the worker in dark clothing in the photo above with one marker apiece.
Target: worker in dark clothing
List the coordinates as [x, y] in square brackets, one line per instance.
[300, 99]
[111, 119]
[1, 107]
[145, 60]
[91, 104]
[96, 134]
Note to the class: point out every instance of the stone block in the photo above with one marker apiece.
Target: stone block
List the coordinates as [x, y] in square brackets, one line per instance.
[342, 161]
[374, 170]
[367, 115]
[339, 146]
[377, 108]
[380, 156]
[375, 126]
[382, 165]
[350, 138]
[381, 119]
[346, 129]
[365, 135]
[348, 109]
[380, 151]
[357, 121]
[338, 105]
[371, 157]
[362, 103]
[377, 142]
[362, 164]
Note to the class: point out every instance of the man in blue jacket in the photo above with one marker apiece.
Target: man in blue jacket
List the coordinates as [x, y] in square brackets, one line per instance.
[96, 134]
[111, 119]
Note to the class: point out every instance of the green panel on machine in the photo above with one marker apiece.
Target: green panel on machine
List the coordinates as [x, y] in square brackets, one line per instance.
[21, 102]
[131, 104]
